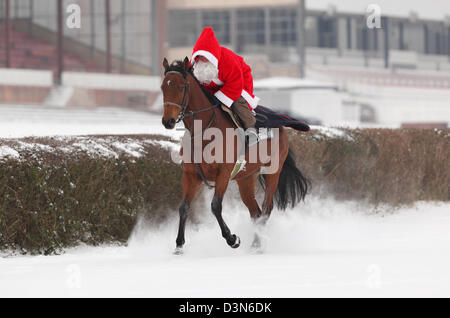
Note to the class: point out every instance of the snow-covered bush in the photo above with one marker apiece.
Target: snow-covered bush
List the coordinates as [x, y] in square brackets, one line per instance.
[59, 192]
[380, 166]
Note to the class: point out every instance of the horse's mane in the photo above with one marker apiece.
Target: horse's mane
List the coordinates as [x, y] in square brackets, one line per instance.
[177, 66]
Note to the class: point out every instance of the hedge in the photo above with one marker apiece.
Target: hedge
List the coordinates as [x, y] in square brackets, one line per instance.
[380, 166]
[62, 191]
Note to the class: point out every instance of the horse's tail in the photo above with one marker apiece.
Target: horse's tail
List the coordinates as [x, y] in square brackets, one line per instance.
[292, 184]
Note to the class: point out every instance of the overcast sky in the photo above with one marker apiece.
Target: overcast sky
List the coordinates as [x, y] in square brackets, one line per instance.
[426, 9]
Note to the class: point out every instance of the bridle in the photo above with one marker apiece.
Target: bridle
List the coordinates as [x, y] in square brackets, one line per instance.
[184, 113]
[184, 105]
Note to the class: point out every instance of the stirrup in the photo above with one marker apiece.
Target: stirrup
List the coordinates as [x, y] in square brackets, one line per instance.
[238, 167]
[252, 137]
[255, 136]
[265, 133]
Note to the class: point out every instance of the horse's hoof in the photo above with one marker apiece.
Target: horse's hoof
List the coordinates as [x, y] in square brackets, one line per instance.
[178, 251]
[237, 242]
[256, 250]
[257, 246]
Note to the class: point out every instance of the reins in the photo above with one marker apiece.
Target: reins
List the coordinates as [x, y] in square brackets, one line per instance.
[184, 104]
[184, 113]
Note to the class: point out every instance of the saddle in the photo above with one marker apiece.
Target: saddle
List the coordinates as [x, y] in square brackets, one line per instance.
[232, 116]
[260, 118]
[261, 135]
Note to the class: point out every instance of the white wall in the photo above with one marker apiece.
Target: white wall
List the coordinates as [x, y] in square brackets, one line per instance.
[397, 105]
[111, 81]
[322, 104]
[23, 77]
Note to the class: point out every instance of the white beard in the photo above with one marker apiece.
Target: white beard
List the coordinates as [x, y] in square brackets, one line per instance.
[205, 72]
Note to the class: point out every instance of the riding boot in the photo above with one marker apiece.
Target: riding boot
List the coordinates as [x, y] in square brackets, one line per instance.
[252, 136]
[240, 162]
[247, 117]
[244, 113]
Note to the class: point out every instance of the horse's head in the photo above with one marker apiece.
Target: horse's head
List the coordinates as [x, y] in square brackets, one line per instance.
[175, 89]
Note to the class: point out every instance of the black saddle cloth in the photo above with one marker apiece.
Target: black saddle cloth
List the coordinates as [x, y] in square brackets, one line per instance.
[267, 118]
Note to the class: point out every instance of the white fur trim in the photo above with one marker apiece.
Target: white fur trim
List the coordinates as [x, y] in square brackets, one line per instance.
[253, 101]
[224, 98]
[208, 55]
[217, 81]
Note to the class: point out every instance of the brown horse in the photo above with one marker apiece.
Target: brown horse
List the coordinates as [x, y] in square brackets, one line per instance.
[186, 100]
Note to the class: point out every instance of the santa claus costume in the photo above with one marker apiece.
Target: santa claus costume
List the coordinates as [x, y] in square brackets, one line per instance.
[233, 85]
[225, 74]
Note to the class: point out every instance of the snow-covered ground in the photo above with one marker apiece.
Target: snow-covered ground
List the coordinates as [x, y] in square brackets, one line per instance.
[322, 248]
[21, 120]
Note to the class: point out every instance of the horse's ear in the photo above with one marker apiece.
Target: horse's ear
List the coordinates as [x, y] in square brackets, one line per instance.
[186, 64]
[165, 64]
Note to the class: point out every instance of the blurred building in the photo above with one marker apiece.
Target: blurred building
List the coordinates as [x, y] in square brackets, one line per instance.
[392, 75]
[135, 46]
[336, 32]
[142, 31]
[115, 36]
[395, 74]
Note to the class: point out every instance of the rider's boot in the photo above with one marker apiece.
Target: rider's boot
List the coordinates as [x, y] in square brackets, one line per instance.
[238, 167]
[251, 139]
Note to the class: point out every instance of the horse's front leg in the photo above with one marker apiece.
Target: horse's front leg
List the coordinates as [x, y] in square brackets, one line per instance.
[216, 207]
[190, 183]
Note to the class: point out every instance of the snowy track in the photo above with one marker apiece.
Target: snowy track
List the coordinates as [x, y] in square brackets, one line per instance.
[324, 248]
[328, 249]
[21, 121]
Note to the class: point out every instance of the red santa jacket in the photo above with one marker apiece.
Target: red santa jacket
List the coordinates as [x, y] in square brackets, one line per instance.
[235, 76]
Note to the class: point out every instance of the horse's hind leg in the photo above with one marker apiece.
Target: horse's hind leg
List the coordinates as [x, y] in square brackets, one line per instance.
[247, 191]
[216, 207]
[271, 188]
[191, 183]
[271, 181]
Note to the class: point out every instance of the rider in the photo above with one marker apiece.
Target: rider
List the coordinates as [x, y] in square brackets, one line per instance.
[228, 77]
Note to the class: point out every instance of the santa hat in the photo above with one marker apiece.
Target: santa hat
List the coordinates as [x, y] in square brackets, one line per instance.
[207, 46]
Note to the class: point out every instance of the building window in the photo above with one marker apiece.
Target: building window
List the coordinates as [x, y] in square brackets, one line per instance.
[401, 42]
[327, 32]
[425, 39]
[250, 29]
[185, 26]
[448, 41]
[375, 39]
[362, 41]
[349, 33]
[439, 45]
[220, 22]
[434, 39]
[182, 28]
[283, 26]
